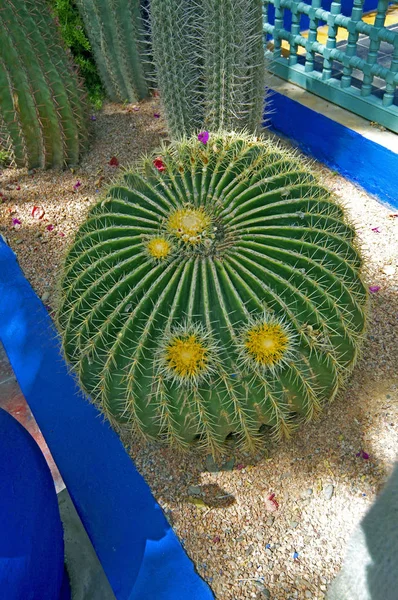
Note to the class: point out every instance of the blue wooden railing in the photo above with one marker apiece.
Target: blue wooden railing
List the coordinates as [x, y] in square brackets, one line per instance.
[335, 73]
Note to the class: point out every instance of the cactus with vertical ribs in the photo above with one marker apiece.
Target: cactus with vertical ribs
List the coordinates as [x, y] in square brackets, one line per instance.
[119, 38]
[209, 58]
[42, 112]
[216, 289]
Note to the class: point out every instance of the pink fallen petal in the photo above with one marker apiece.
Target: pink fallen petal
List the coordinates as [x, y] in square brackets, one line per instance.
[37, 212]
[77, 185]
[61, 234]
[376, 229]
[156, 115]
[363, 454]
[114, 162]
[216, 539]
[271, 504]
[240, 466]
[16, 222]
[374, 288]
[50, 227]
[18, 187]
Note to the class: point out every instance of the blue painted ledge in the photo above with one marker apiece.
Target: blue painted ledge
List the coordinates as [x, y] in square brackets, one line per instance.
[31, 536]
[138, 550]
[355, 157]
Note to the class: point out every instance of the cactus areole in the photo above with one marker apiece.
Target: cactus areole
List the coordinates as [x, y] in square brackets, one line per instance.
[218, 295]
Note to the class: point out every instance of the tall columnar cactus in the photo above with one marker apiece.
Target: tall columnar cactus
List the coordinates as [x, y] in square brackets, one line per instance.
[209, 58]
[214, 290]
[119, 37]
[42, 112]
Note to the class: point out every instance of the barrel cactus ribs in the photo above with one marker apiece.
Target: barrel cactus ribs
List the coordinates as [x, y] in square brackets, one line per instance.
[43, 115]
[215, 290]
[118, 31]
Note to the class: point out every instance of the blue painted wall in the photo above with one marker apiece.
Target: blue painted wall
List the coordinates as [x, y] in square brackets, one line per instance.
[139, 552]
[362, 161]
[31, 535]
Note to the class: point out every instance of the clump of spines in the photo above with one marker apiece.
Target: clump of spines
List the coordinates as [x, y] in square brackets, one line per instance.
[42, 110]
[209, 59]
[283, 263]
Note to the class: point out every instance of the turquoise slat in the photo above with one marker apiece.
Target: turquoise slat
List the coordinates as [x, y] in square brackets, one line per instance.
[301, 69]
[335, 9]
[374, 47]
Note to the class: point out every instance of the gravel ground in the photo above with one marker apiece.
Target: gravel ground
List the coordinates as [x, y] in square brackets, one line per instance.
[243, 543]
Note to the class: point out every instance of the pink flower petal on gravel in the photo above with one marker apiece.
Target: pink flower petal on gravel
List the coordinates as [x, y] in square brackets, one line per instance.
[363, 454]
[61, 233]
[216, 539]
[376, 229]
[37, 212]
[50, 227]
[114, 162]
[374, 288]
[271, 504]
[16, 222]
[156, 115]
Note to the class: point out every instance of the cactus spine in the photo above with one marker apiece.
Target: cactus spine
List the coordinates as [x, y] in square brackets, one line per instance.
[214, 290]
[42, 113]
[209, 58]
[119, 40]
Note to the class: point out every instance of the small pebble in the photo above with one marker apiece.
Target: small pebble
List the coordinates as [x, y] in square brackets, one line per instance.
[308, 594]
[228, 466]
[265, 593]
[45, 296]
[308, 492]
[194, 490]
[389, 270]
[211, 466]
[328, 491]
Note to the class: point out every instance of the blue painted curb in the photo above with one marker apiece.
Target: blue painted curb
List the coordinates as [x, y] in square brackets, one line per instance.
[362, 161]
[138, 550]
[31, 535]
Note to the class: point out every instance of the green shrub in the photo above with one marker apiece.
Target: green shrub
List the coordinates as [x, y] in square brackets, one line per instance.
[214, 290]
[75, 38]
